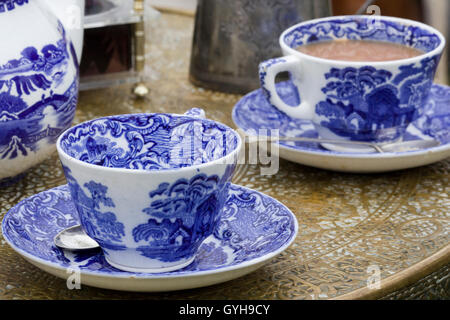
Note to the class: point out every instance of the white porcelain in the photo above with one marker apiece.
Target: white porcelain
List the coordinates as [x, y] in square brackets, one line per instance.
[149, 188]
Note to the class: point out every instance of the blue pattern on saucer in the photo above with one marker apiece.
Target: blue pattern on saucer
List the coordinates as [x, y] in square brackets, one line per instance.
[149, 141]
[252, 226]
[253, 112]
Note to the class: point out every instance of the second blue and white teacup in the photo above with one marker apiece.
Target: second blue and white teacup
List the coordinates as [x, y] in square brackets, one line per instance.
[351, 100]
[149, 188]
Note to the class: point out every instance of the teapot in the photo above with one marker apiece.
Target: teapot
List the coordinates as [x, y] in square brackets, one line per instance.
[38, 81]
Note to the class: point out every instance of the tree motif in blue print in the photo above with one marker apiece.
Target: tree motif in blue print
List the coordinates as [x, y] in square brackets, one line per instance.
[183, 215]
[362, 103]
[101, 226]
[42, 64]
[24, 120]
[414, 82]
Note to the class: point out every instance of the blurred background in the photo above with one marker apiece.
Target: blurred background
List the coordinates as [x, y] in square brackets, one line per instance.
[229, 38]
[432, 12]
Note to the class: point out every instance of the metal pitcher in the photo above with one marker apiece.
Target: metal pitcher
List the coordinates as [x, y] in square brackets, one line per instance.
[232, 37]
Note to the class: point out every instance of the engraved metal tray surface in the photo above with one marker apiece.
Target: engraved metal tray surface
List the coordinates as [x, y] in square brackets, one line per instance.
[352, 228]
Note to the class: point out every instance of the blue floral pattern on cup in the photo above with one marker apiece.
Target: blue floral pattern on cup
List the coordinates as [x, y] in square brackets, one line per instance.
[99, 225]
[149, 187]
[370, 104]
[183, 215]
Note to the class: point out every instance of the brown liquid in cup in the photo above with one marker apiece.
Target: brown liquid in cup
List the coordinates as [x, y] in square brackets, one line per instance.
[359, 50]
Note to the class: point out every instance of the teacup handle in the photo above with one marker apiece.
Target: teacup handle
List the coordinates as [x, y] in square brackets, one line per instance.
[196, 113]
[268, 71]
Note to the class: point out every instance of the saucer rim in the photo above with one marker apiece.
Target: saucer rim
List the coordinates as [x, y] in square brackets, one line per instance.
[119, 274]
[345, 155]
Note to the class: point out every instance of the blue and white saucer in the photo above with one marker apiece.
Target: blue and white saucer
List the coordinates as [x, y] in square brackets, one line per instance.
[253, 229]
[253, 112]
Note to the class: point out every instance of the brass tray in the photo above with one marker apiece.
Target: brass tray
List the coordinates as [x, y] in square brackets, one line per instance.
[352, 227]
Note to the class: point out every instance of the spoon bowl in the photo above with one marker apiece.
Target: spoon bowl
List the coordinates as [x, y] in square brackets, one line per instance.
[74, 238]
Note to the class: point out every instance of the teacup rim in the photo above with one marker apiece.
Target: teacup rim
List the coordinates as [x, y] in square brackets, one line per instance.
[225, 160]
[438, 50]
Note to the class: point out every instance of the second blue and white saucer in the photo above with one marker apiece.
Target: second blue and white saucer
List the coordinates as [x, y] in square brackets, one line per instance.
[253, 229]
[253, 113]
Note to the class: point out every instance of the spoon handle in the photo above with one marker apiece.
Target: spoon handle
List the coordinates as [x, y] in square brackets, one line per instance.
[319, 140]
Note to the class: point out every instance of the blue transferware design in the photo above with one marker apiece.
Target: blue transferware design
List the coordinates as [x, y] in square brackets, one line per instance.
[355, 100]
[435, 122]
[364, 28]
[38, 89]
[43, 214]
[24, 125]
[254, 112]
[243, 209]
[100, 226]
[253, 228]
[149, 141]
[183, 215]
[369, 104]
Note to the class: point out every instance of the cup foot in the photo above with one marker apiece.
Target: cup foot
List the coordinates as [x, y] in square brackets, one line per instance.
[149, 270]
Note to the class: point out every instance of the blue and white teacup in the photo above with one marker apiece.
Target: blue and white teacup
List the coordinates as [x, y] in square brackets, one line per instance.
[149, 188]
[361, 101]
